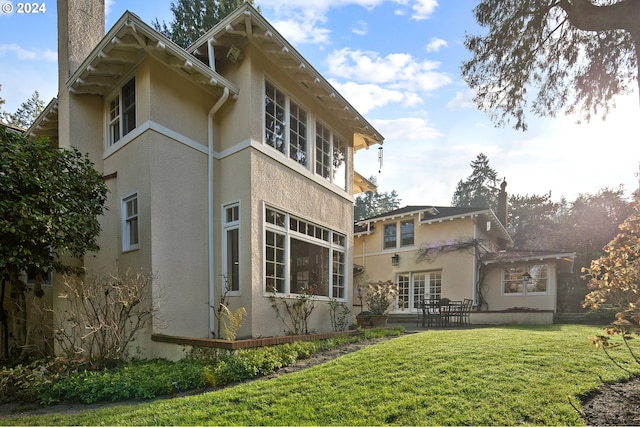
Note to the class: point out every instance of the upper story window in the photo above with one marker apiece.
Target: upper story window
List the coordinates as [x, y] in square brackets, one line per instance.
[287, 130]
[390, 236]
[130, 229]
[406, 233]
[122, 112]
[405, 237]
[285, 125]
[529, 280]
[330, 156]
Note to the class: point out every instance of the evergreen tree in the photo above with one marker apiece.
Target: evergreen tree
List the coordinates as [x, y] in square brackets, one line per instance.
[373, 203]
[193, 18]
[26, 114]
[480, 190]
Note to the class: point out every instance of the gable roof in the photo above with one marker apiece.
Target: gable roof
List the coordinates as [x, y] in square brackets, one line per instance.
[432, 214]
[125, 45]
[246, 25]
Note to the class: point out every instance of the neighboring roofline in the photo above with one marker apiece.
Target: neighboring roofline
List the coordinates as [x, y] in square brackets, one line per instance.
[472, 212]
[532, 256]
[250, 15]
[132, 24]
[47, 114]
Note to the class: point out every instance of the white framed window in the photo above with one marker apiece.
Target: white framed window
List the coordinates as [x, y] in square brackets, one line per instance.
[303, 257]
[286, 125]
[231, 245]
[390, 236]
[406, 233]
[415, 287]
[121, 112]
[331, 156]
[130, 223]
[526, 280]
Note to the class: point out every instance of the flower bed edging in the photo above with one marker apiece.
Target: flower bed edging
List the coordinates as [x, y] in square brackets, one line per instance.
[246, 343]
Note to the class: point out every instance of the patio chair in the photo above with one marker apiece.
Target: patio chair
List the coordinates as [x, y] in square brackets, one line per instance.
[467, 305]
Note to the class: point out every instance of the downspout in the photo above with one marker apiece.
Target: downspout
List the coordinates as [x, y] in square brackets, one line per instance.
[475, 262]
[211, 152]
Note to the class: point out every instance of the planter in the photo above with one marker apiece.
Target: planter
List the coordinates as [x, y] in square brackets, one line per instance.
[378, 320]
[364, 319]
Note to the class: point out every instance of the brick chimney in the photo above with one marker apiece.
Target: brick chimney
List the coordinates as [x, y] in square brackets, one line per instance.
[502, 203]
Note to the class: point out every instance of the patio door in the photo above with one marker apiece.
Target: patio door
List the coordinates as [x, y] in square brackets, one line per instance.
[417, 286]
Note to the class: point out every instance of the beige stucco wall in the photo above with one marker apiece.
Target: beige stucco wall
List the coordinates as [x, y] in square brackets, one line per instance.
[498, 301]
[301, 197]
[458, 268]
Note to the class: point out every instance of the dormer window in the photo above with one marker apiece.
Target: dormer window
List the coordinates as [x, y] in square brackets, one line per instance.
[122, 112]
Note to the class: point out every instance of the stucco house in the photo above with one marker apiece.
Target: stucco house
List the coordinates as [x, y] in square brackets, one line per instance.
[435, 252]
[230, 166]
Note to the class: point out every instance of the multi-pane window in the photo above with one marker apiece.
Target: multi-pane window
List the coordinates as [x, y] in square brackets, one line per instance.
[330, 156]
[526, 280]
[231, 245]
[390, 236]
[122, 112]
[130, 228]
[406, 233]
[413, 288]
[303, 257]
[287, 130]
[285, 125]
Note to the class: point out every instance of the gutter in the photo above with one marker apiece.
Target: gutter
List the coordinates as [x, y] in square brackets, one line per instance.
[211, 155]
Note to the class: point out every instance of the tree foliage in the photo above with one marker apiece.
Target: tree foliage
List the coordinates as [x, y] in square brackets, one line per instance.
[614, 278]
[480, 189]
[532, 220]
[26, 114]
[193, 18]
[373, 203]
[552, 55]
[50, 201]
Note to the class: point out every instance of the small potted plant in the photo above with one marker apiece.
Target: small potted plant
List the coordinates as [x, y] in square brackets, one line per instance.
[380, 297]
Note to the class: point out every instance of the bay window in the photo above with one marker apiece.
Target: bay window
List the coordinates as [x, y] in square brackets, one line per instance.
[302, 257]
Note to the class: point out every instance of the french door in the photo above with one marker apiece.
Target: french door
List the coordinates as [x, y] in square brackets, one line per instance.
[417, 286]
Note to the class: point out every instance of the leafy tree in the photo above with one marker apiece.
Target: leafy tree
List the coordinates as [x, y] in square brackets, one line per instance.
[50, 200]
[193, 18]
[614, 279]
[568, 55]
[27, 113]
[481, 187]
[375, 203]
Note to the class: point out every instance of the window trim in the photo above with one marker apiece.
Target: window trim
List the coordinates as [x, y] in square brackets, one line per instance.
[307, 232]
[228, 226]
[525, 292]
[119, 118]
[286, 133]
[127, 246]
[428, 287]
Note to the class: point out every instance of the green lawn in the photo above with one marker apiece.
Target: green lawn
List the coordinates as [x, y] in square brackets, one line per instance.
[486, 376]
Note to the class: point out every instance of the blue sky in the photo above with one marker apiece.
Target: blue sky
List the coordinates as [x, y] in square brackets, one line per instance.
[398, 62]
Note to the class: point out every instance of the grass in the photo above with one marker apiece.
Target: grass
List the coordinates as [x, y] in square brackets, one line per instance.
[488, 376]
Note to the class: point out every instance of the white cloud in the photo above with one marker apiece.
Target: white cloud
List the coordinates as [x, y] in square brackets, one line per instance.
[361, 28]
[366, 97]
[435, 44]
[300, 31]
[407, 129]
[107, 6]
[28, 55]
[423, 9]
[398, 70]
[462, 101]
